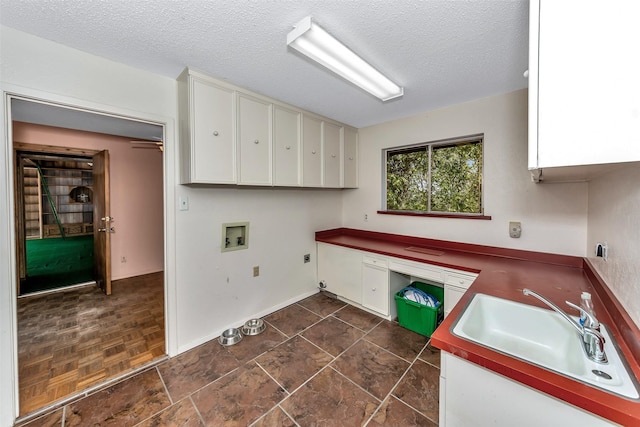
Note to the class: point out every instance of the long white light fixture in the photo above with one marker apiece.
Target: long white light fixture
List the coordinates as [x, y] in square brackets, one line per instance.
[311, 40]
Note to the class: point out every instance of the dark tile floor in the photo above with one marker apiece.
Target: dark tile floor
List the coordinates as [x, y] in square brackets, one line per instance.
[320, 362]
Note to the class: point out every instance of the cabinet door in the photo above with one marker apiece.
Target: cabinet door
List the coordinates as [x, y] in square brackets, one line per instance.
[254, 137]
[588, 90]
[476, 396]
[375, 288]
[331, 155]
[213, 150]
[452, 294]
[341, 269]
[456, 284]
[311, 152]
[286, 147]
[350, 162]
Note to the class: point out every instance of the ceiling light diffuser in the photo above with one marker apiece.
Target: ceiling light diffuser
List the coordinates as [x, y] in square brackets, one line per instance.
[311, 40]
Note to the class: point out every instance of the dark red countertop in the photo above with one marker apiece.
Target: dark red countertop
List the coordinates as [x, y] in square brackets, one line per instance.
[504, 273]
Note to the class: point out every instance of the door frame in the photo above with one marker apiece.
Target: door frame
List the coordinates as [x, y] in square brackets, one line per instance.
[8, 304]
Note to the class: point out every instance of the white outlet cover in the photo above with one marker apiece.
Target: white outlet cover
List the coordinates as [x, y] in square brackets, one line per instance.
[183, 203]
[515, 229]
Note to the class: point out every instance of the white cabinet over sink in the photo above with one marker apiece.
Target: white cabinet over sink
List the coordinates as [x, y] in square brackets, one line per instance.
[229, 135]
[584, 90]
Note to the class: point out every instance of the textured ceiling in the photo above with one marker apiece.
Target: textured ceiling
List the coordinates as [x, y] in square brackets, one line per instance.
[442, 51]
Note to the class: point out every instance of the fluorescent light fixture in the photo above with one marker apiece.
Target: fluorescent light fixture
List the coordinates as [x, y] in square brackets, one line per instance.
[311, 40]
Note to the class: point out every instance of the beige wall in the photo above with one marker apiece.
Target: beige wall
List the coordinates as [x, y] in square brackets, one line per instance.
[136, 194]
[614, 212]
[553, 216]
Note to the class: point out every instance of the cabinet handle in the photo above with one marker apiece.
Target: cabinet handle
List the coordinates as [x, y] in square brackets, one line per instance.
[288, 147]
[373, 289]
[215, 133]
[256, 142]
[350, 158]
[313, 152]
[461, 282]
[333, 155]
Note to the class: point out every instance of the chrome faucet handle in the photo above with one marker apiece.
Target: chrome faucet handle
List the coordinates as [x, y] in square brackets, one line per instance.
[596, 352]
[592, 321]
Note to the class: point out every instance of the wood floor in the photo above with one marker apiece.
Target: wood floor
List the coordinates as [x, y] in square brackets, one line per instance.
[74, 339]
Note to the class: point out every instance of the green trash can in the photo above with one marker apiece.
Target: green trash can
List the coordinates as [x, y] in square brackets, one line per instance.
[419, 317]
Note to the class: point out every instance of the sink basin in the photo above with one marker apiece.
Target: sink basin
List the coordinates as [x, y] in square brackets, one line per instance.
[544, 338]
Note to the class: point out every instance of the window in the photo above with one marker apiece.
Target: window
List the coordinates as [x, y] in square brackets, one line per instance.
[438, 177]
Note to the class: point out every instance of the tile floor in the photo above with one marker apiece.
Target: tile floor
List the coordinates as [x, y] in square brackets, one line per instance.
[320, 362]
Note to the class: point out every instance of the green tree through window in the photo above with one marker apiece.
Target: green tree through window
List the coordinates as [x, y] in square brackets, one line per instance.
[441, 177]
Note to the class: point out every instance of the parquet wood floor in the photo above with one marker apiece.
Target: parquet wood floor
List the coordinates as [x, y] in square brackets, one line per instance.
[74, 339]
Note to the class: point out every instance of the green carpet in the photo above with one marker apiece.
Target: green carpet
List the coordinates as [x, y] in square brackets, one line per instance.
[54, 263]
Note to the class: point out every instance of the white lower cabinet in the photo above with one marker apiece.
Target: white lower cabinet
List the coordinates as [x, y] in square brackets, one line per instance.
[375, 285]
[456, 284]
[371, 280]
[341, 271]
[474, 396]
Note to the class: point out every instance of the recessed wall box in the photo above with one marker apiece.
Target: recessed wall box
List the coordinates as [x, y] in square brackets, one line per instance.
[235, 236]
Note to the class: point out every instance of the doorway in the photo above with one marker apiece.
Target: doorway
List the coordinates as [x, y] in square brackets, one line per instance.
[54, 221]
[108, 338]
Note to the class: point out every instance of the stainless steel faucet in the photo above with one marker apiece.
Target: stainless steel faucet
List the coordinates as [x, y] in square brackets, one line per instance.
[592, 339]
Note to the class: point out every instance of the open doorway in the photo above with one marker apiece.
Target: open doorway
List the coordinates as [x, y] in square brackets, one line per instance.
[76, 339]
[55, 203]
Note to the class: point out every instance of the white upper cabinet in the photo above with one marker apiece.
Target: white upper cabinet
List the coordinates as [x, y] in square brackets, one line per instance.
[584, 83]
[287, 161]
[207, 128]
[254, 141]
[350, 161]
[311, 151]
[331, 155]
[229, 135]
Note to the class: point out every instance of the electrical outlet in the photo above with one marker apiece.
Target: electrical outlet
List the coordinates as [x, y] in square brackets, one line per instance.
[123, 259]
[366, 217]
[256, 271]
[307, 258]
[515, 229]
[601, 250]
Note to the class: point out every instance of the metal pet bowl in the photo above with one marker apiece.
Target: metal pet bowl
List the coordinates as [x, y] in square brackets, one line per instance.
[230, 337]
[253, 327]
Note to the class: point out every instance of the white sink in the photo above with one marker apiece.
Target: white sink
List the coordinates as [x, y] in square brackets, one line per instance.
[544, 338]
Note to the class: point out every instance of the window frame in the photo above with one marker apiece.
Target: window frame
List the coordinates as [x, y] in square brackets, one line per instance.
[428, 146]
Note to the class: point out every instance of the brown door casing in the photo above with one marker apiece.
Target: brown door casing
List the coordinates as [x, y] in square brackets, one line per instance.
[102, 220]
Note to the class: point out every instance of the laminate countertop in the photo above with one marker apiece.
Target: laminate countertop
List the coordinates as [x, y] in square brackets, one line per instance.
[504, 273]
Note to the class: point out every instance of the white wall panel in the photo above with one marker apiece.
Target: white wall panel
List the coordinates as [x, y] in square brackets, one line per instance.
[614, 209]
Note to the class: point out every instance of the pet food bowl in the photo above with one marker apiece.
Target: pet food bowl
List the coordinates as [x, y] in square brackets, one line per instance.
[230, 337]
[253, 327]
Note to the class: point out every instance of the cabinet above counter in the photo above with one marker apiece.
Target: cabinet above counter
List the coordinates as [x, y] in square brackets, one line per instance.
[232, 136]
[584, 91]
